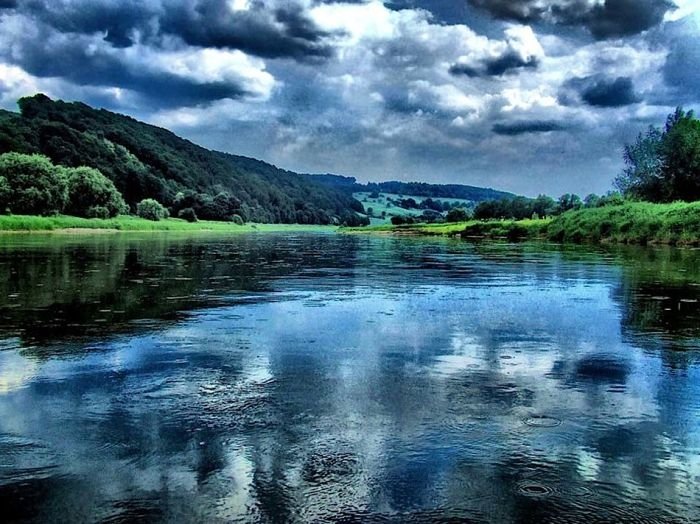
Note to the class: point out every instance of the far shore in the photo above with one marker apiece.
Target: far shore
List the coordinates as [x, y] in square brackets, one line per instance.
[640, 223]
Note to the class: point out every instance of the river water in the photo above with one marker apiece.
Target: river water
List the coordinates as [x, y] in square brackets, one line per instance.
[346, 378]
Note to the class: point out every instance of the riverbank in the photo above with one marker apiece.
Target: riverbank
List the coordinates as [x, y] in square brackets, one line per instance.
[77, 225]
[630, 223]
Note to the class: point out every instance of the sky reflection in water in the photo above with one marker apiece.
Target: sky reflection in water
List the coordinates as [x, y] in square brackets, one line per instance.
[337, 378]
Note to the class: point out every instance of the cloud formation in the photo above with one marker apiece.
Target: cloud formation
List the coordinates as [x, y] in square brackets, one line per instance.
[529, 96]
[604, 19]
[521, 128]
[600, 91]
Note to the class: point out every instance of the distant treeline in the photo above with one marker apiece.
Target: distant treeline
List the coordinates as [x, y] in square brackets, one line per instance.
[662, 165]
[147, 162]
[543, 206]
[421, 189]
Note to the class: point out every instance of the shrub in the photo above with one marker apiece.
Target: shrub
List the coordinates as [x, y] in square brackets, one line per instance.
[236, 219]
[187, 214]
[457, 214]
[92, 195]
[33, 185]
[98, 212]
[151, 209]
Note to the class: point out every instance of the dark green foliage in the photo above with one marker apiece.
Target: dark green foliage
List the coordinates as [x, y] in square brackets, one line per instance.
[544, 206]
[151, 209]
[32, 185]
[591, 200]
[399, 220]
[236, 219]
[145, 161]
[187, 214]
[457, 214]
[664, 165]
[92, 195]
[5, 194]
[567, 202]
[422, 189]
[220, 207]
[520, 208]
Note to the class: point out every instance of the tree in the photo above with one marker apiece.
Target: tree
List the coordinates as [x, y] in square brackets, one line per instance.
[457, 214]
[5, 193]
[664, 165]
[568, 201]
[643, 174]
[680, 151]
[34, 186]
[92, 195]
[591, 200]
[187, 214]
[151, 209]
[544, 206]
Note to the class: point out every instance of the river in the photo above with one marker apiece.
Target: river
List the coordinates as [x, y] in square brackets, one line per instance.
[346, 378]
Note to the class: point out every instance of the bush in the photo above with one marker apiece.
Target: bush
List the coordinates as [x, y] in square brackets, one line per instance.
[399, 220]
[92, 195]
[457, 214]
[187, 214]
[236, 219]
[32, 185]
[98, 212]
[151, 209]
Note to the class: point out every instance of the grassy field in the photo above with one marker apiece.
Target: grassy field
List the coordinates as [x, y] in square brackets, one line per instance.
[62, 223]
[630, 223]
[382, 204]
[509, 229]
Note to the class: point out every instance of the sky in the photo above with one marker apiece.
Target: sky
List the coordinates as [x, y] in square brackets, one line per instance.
[529, 96]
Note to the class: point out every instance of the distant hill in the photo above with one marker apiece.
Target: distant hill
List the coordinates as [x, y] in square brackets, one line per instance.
[422, 189]
[146, 161]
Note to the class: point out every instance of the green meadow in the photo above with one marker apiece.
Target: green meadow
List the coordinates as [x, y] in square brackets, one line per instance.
[62, 223]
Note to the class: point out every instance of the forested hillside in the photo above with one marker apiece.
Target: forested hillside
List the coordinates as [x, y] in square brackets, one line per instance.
[423, 189]
[145, 161]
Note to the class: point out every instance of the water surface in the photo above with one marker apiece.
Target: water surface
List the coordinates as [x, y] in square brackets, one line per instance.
[339, 378]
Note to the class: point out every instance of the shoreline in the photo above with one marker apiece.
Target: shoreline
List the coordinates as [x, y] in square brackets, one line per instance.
[69, 225]
[635, 223]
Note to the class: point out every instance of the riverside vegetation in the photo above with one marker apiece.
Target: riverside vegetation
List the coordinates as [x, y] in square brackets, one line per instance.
[657, 200]
[68, 166]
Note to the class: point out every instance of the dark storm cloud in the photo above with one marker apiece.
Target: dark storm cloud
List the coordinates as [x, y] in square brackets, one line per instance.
[613, 18]
[117, 20]
[264, 30]
[525, 127]
[509, 62]
[599, 91]
[75, 60]
[8, 4]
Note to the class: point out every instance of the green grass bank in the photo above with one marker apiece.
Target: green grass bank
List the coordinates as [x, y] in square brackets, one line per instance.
[62, 223]
[630, 223]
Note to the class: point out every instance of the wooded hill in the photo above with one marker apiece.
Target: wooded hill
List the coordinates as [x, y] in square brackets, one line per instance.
[422, 189]
[146, 161]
